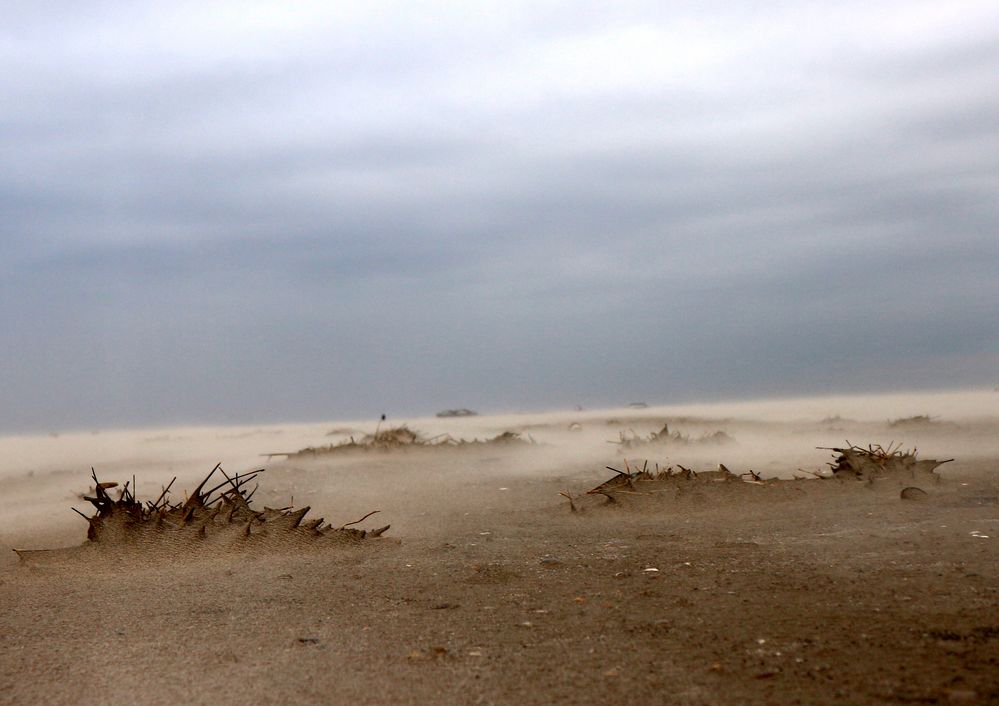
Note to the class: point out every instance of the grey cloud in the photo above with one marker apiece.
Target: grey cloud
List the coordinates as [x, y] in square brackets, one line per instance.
[330, 224]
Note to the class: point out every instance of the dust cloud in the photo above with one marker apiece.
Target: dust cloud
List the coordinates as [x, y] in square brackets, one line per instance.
[42, 476]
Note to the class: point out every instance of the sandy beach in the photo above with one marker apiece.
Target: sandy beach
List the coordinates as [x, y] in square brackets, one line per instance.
[488, 589]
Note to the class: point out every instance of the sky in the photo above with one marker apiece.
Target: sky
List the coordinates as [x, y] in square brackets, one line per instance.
[242, 212]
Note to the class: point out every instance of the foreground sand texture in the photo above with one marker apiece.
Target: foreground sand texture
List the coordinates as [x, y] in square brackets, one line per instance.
[489, 590]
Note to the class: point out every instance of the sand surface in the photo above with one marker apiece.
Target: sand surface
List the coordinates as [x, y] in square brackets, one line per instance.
[487, 589]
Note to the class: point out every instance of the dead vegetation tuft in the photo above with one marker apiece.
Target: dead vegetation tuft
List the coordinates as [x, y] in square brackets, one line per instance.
[221, 516]
[875, 461]
[629, 479]
[919, 420]
[852, 462]
[630, 440]
[403, 438]
[674, 483]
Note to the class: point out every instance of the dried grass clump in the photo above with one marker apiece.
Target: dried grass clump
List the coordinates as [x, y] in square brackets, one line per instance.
[381, 440]
[403, 438]
[681, 474]
[919, 420]
[672, 482]
[221, 516]
[630, 440]
[875, 462]
[507, 438]
[834, 419]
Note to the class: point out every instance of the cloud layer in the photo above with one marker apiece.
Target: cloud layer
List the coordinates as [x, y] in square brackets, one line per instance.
[252, 211]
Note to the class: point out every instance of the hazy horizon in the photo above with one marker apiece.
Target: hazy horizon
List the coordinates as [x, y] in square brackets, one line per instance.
[973, 404]
[254, 212]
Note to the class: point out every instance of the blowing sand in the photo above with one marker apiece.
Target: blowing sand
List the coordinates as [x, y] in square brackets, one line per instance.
[487, 589]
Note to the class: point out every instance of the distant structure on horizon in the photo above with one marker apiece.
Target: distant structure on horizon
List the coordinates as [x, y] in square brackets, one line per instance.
[457, 413]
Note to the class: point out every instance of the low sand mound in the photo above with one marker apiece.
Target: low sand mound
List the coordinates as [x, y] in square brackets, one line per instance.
[221, 517]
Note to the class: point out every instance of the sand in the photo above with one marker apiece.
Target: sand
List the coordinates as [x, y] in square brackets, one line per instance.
[488, 590]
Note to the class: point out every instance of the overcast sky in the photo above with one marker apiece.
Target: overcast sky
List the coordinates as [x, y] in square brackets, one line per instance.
[251, 211]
